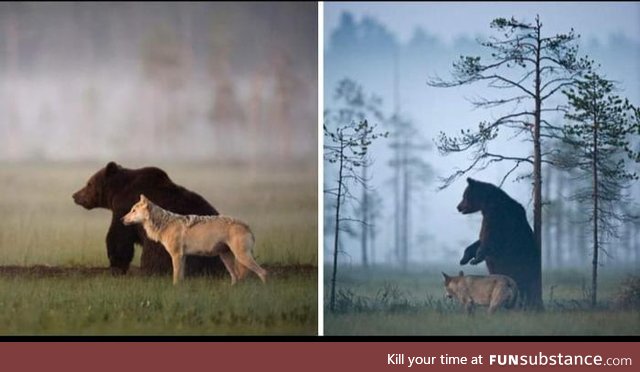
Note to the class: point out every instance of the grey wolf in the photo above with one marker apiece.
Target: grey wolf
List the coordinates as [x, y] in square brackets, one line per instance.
[495, 291]
[183, 235]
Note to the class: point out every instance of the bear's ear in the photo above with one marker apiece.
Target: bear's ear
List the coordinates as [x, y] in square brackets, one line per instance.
[461, 273]
[471, 181]
[112, 168]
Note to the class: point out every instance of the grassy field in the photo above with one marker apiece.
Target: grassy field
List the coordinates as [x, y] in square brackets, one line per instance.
[42, 226]
[383, 301]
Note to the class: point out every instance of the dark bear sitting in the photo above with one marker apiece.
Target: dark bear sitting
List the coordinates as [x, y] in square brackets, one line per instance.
[117, 188]
[506, 241]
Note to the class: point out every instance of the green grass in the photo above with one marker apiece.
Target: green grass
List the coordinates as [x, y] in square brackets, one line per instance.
[384, 301]
[105, 305]
[42, 226]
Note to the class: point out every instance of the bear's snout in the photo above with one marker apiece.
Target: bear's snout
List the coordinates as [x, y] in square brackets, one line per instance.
[77, 197]
[80, 198]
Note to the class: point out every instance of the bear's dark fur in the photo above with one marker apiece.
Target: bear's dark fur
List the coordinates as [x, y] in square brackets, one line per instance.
[117, 188]
[506, 243]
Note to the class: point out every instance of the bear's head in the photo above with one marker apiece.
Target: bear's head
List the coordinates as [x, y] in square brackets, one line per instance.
[473, 198]
[94, 194]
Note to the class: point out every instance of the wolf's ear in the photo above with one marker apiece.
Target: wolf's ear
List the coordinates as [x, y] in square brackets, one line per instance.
[445, 276]
[112, 168]
[461, 273]
[143, 198]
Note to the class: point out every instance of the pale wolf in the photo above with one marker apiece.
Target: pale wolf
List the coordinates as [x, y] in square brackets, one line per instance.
[197, 235]
[495, 291]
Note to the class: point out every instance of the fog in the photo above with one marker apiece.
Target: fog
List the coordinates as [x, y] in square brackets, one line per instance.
[171, 81]
[364, 43]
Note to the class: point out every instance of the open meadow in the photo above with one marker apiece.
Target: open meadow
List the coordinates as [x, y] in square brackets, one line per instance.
[385, 301]
[53, 277]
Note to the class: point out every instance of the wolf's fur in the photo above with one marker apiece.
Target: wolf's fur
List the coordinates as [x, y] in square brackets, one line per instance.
[198, 235]
[495, 291]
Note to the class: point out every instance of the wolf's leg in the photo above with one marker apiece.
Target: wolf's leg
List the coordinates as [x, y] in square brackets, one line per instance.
[469, 253]
[241, 270]
[178, 268]
[229, 262]
[469, 306]
[496, 301]
[491, 309]
[241, 248]
[183, 266]
[250, 263]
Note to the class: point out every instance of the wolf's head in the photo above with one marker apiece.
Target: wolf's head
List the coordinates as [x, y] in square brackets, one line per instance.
[139, 213]
[451, 284]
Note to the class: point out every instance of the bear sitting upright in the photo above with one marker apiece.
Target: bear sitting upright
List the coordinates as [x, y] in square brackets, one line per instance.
[506, 241]
[117, 188]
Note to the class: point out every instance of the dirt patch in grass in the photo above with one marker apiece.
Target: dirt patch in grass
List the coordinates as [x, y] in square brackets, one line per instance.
[45, 271]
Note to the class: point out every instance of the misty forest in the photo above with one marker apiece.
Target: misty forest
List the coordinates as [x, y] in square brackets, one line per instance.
[131, 70]
[550, 118]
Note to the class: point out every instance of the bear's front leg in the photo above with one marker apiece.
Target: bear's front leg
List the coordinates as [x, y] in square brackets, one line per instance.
[120, 239]
[486, 242]
[480, 256]
[469, 253]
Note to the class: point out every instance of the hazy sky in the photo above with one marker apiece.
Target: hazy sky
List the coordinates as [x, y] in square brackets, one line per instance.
[451, 19]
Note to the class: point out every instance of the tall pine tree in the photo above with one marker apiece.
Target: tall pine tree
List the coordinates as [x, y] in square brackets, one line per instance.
[600, 125]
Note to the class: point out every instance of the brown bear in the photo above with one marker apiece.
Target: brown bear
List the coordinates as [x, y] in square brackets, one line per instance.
[506, 241]
[117, 188]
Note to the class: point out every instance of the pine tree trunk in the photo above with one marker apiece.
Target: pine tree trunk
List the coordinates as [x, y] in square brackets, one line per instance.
[536, 301]
[571, 234]
[337, 232]
[594, 262]
[560, 225]
[547, 213]
[396, 190]
[372, 240]
[405, 210]
[365, 217]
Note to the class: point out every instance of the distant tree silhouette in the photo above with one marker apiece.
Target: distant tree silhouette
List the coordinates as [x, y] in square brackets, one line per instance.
[410, 171]
[345, 36]
[362, 39]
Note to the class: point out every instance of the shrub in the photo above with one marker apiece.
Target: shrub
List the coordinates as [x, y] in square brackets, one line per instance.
[628, 297]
